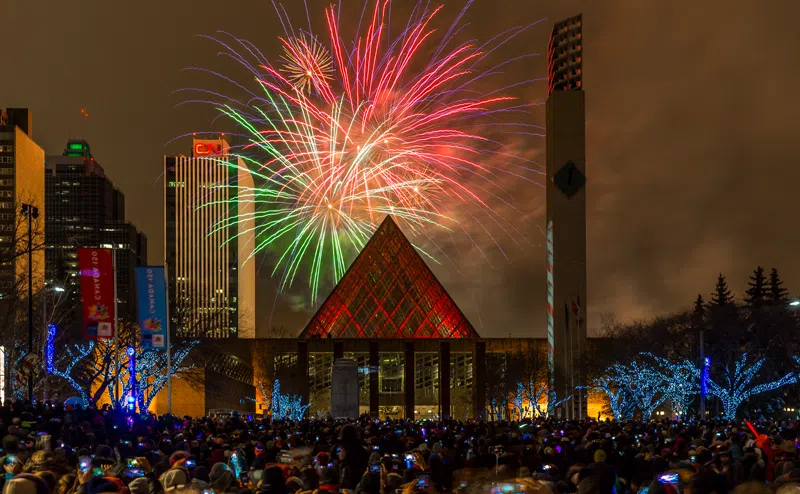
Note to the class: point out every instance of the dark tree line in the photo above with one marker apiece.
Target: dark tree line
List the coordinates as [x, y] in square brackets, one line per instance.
[761, 323]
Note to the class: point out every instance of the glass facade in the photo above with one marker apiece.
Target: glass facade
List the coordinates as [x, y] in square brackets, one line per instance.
[84, 209]
[389, 292]
[391, 377]
[362, 361]
[461, 385]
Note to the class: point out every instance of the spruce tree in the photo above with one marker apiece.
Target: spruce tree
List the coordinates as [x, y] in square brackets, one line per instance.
[699, 312]
[778, 296]
[756, 294]
[722, 294]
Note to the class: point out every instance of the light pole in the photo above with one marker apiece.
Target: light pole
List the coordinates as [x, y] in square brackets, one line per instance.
[32, 212]
[49, 336]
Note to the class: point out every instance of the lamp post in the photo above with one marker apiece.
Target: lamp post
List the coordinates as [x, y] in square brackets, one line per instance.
[32, 212]
[49, 336]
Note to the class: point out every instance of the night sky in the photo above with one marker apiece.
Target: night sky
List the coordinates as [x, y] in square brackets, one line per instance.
[691, 135]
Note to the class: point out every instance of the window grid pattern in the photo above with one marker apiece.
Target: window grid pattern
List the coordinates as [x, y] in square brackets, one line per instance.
[389, 292]
[426, 373]
[461, 370]
[390, 373]
[320, 371]
[362, 361]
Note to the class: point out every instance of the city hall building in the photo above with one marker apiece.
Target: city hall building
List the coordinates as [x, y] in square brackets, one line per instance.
[415, 350]
[416, 353]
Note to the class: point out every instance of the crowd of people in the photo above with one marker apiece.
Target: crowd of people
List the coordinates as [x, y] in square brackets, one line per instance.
[51, 449]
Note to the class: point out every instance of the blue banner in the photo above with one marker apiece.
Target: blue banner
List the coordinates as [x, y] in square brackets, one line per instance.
[151, 292]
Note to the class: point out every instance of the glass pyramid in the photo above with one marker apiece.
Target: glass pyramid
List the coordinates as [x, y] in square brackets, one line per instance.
[389, 292]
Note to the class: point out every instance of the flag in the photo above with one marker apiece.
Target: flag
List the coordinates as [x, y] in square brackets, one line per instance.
[576, 309]
[151, 291]
[97, 292]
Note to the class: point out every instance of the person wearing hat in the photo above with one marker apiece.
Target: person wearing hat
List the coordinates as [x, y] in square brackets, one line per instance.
[26, 483]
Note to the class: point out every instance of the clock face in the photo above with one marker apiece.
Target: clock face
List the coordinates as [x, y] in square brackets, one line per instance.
[569, 179]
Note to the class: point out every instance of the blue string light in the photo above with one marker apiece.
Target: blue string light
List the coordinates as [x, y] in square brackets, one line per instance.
[49, 349]
[73, 355]
[287, 407]
[619, 399]
[680, 381]
[735, 387]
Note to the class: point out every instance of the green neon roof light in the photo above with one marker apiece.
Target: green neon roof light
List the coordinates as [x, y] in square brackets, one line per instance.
[76, 145]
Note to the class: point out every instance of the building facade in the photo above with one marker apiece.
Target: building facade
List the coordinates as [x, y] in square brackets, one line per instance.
[416, 353]
[209, 238]
[85, 209]
[21, 183]
[566, 214]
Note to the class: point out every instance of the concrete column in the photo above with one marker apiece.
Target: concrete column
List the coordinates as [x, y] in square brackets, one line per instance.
[374, 366]
[409, 381]
[444, 380]
[479, 380]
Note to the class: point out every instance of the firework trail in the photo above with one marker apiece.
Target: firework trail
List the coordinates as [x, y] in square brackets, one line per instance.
[341, 133]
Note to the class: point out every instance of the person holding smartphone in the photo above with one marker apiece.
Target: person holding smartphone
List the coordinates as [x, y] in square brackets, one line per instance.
[177, 475]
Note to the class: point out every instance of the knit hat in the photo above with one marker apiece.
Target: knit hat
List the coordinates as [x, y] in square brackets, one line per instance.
[26, 483]
[599, 456]
[177, 456]
[139, 486]
[104, 484]
[174, 478]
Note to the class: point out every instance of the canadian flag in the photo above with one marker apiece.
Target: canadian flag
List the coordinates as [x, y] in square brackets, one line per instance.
[576, 309]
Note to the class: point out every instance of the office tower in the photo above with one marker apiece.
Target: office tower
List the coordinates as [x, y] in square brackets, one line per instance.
[21, 185]
[211, 278]
[84, 209]
[566, 215]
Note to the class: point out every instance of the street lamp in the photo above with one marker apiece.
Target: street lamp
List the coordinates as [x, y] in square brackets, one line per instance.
[32, 212]
[795, 303]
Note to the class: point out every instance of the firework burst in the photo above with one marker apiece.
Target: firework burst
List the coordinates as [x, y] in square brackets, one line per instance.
[307, 64]
[389, 123]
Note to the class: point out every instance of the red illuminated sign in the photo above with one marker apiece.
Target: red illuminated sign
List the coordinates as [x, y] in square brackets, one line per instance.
[207, 148]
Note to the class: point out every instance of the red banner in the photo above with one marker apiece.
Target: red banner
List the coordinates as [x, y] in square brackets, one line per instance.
[97, 291]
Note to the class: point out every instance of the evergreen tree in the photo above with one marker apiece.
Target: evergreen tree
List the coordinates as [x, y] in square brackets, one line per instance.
[722, 294]
[778, 296]
[698, 318]
[756, 294]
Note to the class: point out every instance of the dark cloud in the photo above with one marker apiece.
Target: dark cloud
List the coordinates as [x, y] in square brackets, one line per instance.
[691, 128]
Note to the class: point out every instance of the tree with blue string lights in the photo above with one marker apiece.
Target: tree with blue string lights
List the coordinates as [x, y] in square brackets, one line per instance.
[681, 382]
[104, 368]
[619, 398]
[735, 384]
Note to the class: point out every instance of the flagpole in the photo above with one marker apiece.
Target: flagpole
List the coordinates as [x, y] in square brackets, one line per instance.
[169, 347]
[116, 324]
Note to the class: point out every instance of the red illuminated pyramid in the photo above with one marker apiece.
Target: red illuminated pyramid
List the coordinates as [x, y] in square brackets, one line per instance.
[389, 292]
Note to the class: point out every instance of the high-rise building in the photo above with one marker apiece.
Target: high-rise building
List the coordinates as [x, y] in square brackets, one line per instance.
[208, 241]
[84, 209]
[21, 186]
[566, 215]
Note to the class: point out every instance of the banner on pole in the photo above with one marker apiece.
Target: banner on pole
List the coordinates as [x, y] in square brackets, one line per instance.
[97, 291]
[151, 291]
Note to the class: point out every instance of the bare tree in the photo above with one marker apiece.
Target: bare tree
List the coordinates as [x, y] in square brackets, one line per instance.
[16, 242]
